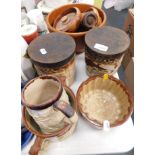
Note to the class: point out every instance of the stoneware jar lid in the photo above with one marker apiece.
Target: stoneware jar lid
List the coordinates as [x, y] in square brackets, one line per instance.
[52, 50]
[107, 40]
[66, 20]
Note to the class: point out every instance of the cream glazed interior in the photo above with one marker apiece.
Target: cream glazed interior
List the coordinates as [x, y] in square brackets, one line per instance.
[39, 92]
[102, 100]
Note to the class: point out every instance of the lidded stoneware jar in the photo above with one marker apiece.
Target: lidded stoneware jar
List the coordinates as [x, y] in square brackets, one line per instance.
[105, 49]
[54, 53]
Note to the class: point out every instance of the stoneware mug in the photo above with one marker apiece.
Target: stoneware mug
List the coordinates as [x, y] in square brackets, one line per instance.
[47, 102]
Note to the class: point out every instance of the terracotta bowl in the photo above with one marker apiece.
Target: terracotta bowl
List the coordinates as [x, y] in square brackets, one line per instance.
[78, 36]
[31, 125]
[102, 100]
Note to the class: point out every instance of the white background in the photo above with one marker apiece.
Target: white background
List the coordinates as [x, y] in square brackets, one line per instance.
[10, 78]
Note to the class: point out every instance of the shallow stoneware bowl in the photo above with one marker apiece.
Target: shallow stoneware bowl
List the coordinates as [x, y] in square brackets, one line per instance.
[32, 126]
[78, 36]
[101, 100]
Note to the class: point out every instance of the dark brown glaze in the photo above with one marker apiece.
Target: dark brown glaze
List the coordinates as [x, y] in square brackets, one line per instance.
[49, 102]
[60, 50]
[100, 58]
[78, 36]
[95, 122]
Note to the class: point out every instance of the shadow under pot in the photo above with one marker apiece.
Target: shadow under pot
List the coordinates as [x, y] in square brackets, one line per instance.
[59, 134]
[54, 54]
[105, 49]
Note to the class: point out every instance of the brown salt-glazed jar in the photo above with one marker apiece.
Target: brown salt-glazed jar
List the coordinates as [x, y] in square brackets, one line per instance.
[54, 53]
[105, 48]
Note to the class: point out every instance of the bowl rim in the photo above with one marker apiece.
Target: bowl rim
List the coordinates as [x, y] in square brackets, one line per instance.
[74, 34]
[56, 133]
[94, 122]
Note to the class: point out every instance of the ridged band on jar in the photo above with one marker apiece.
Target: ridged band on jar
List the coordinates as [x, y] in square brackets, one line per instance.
[100, 65]
[67, 71]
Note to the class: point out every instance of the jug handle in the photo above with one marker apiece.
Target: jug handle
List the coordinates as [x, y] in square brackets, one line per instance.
[36, 147]
[65, 108]
[62, 79]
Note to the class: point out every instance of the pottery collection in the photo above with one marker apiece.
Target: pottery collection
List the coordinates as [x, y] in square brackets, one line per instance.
[79, 34]
[50, 108]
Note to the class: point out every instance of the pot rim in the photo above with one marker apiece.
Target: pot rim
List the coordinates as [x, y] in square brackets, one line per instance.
[47, 103]
[75, 34]
[56, 133]
[95, 122]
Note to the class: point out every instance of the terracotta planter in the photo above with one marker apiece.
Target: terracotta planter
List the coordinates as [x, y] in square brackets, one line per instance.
[101, 100]
[34, 128]
[78, 36]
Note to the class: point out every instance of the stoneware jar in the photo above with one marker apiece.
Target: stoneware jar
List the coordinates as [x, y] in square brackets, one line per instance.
[105, 48]
[42, 139]
[48, 104]
[104, 102]
[80, 33]
[53, 53]
[69, 20]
